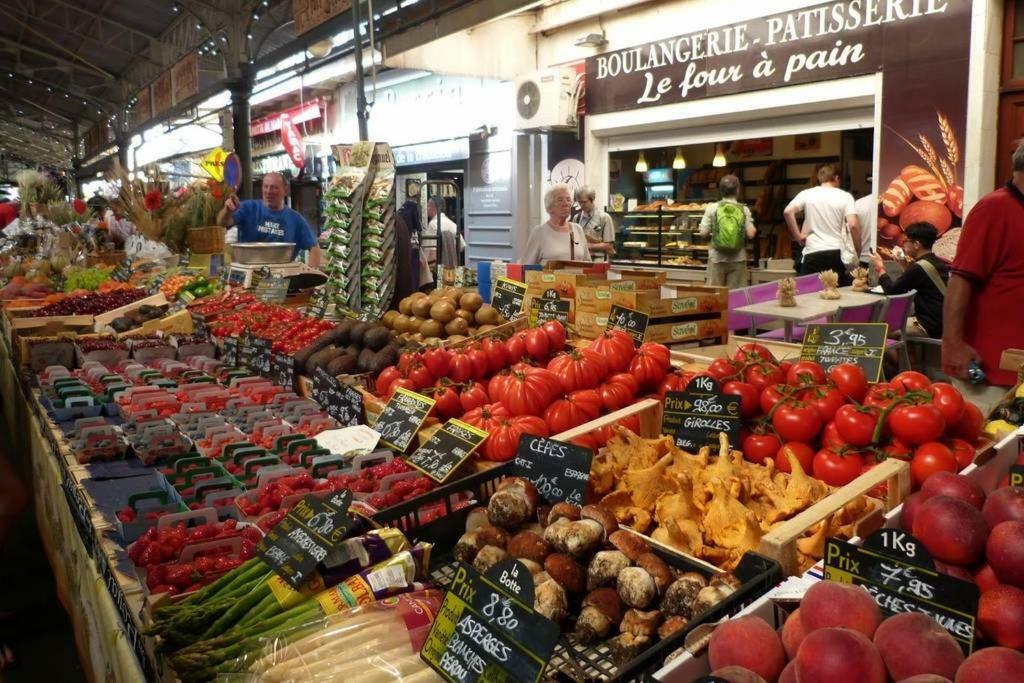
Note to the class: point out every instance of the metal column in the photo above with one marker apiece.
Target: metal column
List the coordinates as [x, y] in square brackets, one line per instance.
[241, 89]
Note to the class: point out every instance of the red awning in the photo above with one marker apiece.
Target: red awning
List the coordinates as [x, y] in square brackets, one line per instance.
[304, 112]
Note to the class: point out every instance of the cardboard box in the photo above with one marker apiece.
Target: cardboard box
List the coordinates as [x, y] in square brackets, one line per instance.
[689, 330]
[675, 301]
[590, 325]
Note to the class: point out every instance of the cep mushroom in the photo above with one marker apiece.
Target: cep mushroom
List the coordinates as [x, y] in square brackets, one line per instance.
[583, 536]
[605, 567]
[682, 594]
[513, 503]
[636, 587]
[602, 610]
[550, 601]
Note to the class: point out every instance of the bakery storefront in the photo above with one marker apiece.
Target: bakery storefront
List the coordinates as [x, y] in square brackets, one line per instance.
[881, 89]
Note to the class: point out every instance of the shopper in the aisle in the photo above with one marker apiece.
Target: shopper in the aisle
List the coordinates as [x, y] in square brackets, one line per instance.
[924, 272]
[269, 220]
[597, 224]
[557, 238]
[453, 244]
[867, 218]
[8, 211]
[729, 225]
[827, 212]
[982, 317]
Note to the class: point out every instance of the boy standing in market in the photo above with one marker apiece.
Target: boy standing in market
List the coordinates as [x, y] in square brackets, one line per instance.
[827, 211]
[985, 283]
[597, 225]
[269, 220]
[730, 225]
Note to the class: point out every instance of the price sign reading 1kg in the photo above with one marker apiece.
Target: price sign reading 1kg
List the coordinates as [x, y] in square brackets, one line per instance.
[560, 471]
[834, 343]
[448, 448]
[508, 297]
[542, 310]
[630, 321]
[695, 416]
[402, 417]
[487, 630]
[310, 531]
[898, 572]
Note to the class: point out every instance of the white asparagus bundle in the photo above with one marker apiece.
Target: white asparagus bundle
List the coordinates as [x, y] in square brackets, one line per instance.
[311, 662]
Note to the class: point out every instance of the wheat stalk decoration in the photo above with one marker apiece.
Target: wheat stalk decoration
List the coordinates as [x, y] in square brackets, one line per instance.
[949, 140]
[923, 152]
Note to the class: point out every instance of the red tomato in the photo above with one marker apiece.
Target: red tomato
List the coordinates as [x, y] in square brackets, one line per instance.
[446, 400]
[830, 437]
[748, 394]
[772, 395]
[650, 365]
[722, 369]
[529, 390]
[538, 346]
[803, 453]
[916, 424]
[579, 369]
[503, 439]
[751, 351]
[617, 348]
[948, 400]
[473, 396]
[826, 400]
[556, 334]
[835, 469]
[573, 410]
[403, 382]
[674, 381]
[856, 426]
[437, 361]
[497, 355]
[763, 375]
[785, 365]
[962, 451]
[930, 458]
[480, 362]
[626, 379]
[894, 449]
[805, 372]
[969, 426]
[487, 417]
[407, 360]
[796, 421]
[615, 395]
[882, 395]
[911, 380]
[515, 347]
[462, 367]
[496, 385]
[850, 380]
[760, 447]
[385, 378]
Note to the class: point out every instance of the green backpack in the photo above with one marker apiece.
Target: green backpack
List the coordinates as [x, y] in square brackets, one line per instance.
[729, 233]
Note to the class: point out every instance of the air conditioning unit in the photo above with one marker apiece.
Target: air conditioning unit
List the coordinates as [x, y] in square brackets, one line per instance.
[546, 100]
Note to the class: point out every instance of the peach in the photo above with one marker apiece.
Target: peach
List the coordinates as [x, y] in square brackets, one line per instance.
[788, 674]
[792, 633]
[992, 665]
[1003, 505]
[830, 604]
[913, 643]
[926, 678]
[737, 674]
[748, 642]
[985, 578]
[1005, 552]
[838, 655]
[951, 529]
[1001, 616]
[911, 505]
[955, 486]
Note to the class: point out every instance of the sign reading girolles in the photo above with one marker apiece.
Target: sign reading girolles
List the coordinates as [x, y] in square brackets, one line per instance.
[821, 42]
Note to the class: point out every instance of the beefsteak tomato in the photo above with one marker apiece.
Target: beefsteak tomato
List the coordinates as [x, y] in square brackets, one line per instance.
[616, 347]
[503, 440]
[649, 365]
[579, 369]
[573, 410]
[529, 390]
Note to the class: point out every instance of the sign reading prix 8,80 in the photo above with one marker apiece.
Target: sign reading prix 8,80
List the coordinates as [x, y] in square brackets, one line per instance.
[696, 416]
[835, 343]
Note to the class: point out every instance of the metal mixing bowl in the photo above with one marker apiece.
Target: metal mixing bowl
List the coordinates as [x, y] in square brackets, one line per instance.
[262, 252]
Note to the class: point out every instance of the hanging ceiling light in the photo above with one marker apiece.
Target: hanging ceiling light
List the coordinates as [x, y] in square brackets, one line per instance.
[641, 164]
[719, 160]
[680, 161]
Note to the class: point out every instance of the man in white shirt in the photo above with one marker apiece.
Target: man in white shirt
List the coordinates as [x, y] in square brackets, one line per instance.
[433, 237]
[597, 225]
[867, 216]
[827, 210]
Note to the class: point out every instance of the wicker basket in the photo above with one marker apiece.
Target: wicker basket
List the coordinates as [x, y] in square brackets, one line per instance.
[208, 240]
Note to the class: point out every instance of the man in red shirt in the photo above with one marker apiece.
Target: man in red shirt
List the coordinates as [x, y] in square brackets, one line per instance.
[983, 297]
[8, 212]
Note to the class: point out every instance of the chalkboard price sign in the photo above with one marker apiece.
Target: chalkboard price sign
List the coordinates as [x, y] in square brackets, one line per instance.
[402, 417]
[834, 343]
[695, 416]
[508, 297]
[1017, 475]
[542, 310]
[312, 529]
[630, 321]
[560, 471]
[261, 355]
[484, 632]
[184, 257]
[446, 449]
[900, 575]
[341, 401]
[282, 370]
[122, 271]
[229, 355]
[247, 350]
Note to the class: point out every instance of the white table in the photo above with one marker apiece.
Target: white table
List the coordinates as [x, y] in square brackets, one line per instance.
[808, 307]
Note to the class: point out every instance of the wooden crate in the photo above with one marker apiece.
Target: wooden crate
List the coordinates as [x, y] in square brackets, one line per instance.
[180, 322]
[703, 356]
[104, 319]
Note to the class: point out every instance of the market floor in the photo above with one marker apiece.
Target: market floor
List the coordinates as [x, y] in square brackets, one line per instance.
[40, 632]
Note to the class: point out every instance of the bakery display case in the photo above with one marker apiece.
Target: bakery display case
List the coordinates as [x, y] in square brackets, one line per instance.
[661, 234]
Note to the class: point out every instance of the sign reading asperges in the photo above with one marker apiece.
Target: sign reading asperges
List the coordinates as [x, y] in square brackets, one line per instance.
[695, 417]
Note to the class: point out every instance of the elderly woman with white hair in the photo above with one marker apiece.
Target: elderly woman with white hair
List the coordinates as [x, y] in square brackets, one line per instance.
[557, 239]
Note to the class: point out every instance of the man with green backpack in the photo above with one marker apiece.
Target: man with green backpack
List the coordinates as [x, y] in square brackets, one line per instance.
[729, 225]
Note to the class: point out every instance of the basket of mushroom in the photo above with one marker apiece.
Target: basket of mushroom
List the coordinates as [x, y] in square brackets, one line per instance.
[622, 600]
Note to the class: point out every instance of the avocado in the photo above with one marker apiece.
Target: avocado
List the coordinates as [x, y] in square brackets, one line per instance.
[340, 334]
[376, 338]
[303, 356]
[353, 350]
[355, 335]
[321, 358]
[365, 358]
[121, 324]
[382, 359]
[343, 364]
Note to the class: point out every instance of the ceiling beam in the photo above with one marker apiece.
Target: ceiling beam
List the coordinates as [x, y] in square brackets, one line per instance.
[45, 110]
[103, 102]
[42, 131]
[29, 145]
[75, 63]
[106, 19]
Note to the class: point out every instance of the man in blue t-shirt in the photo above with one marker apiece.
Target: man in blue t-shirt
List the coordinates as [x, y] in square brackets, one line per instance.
[270, 220]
